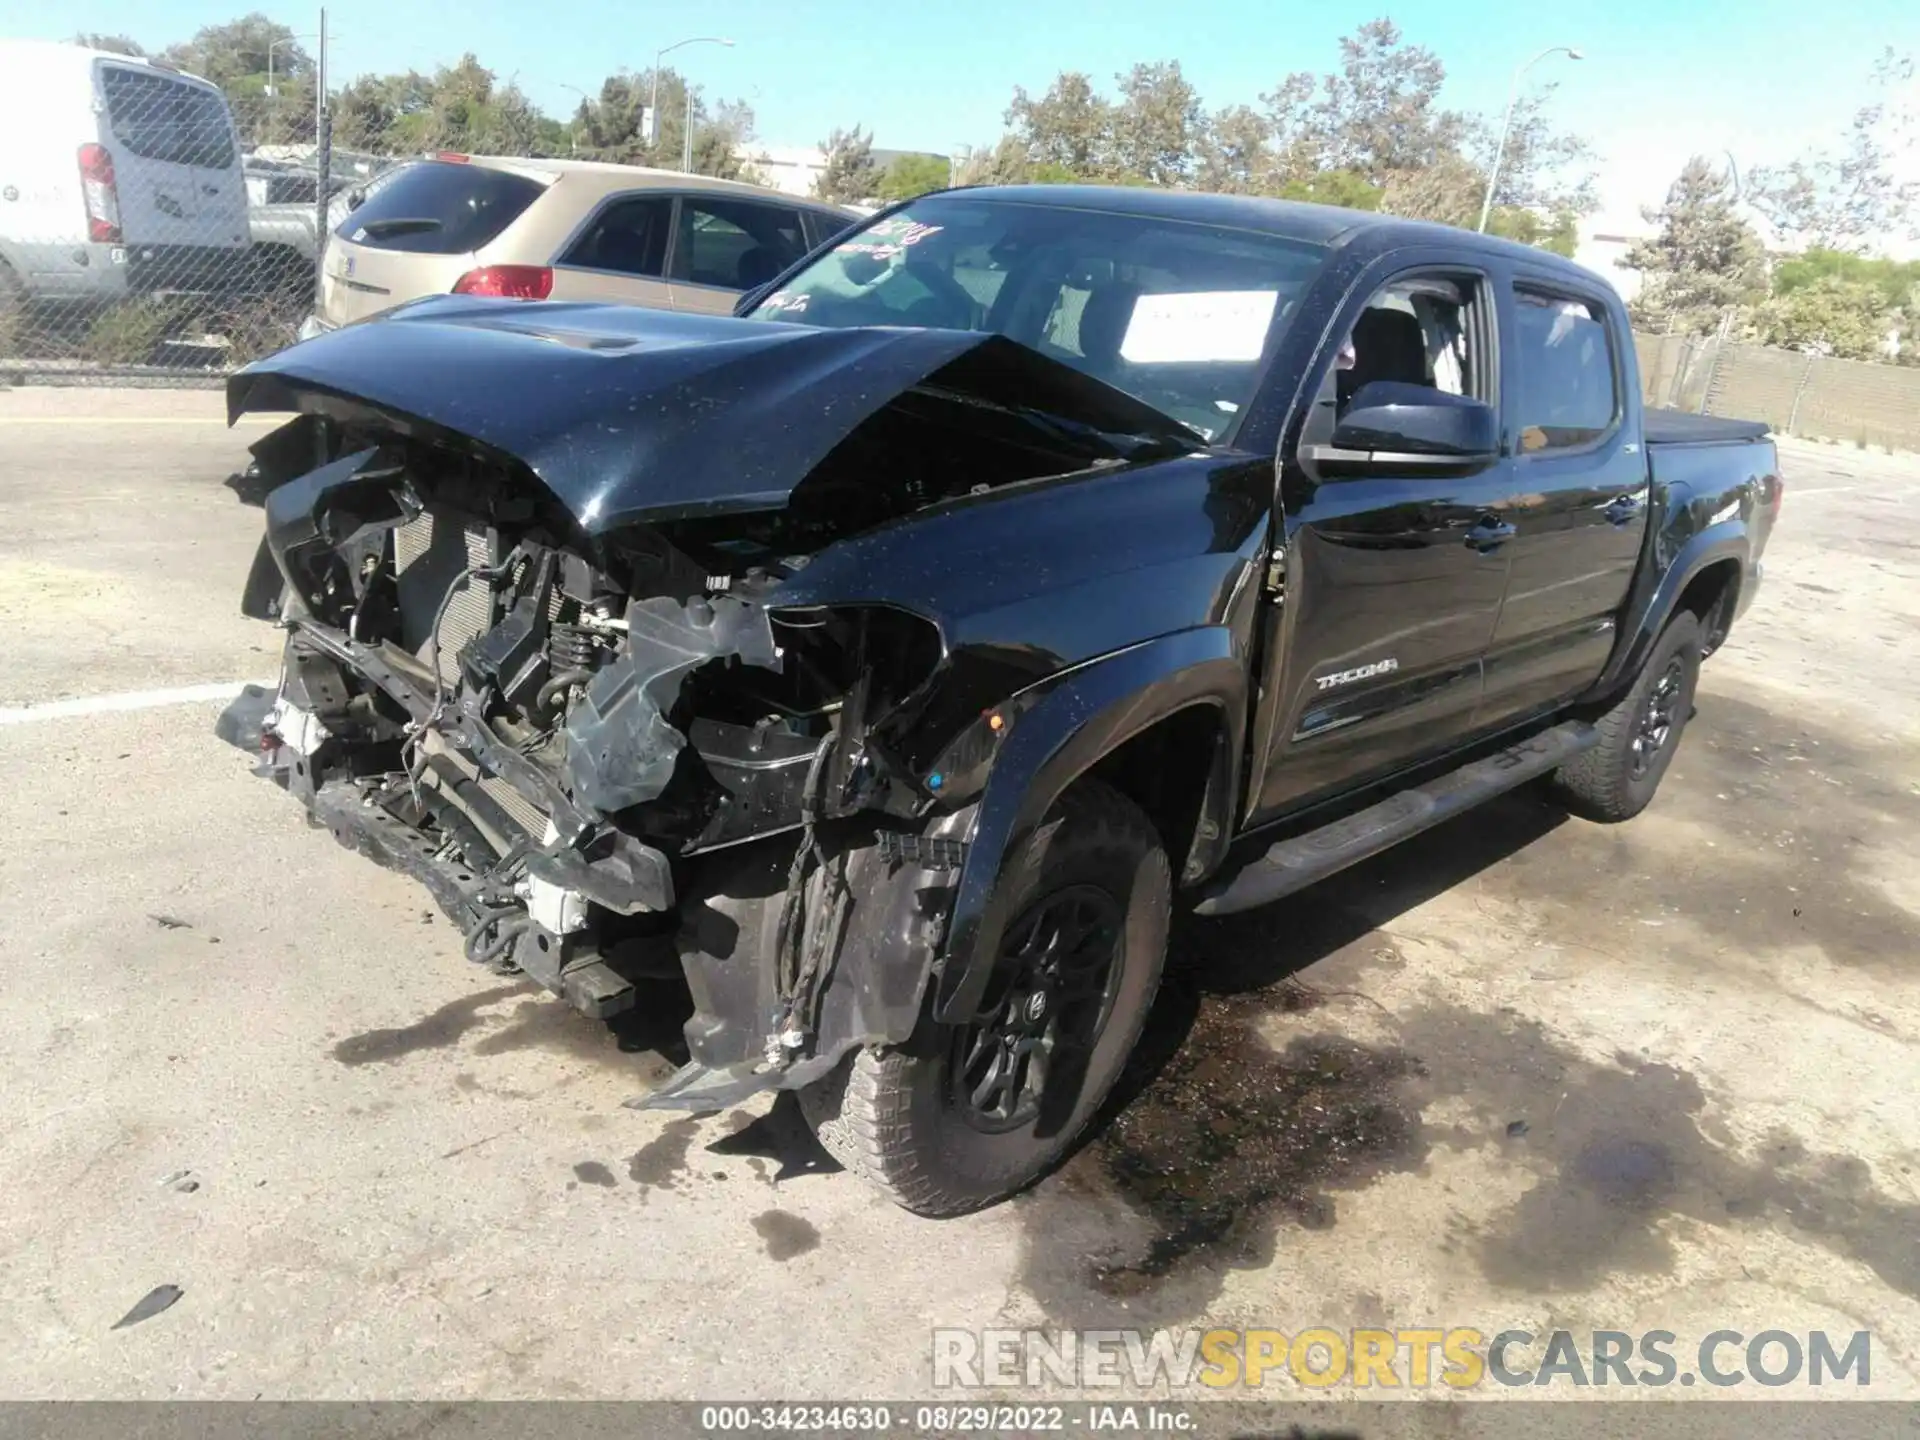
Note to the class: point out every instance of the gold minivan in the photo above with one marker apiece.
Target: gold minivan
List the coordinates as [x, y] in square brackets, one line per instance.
[561, 230]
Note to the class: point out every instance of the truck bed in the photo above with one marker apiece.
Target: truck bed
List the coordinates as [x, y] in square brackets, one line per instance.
[1682, 427]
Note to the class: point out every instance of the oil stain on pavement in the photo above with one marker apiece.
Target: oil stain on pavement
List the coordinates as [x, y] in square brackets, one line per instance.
[1233, 1142]
[785, 1235]
[1226, 1141]
[657, 1165]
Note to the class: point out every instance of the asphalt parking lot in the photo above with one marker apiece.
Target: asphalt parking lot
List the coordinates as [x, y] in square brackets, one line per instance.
[1524, 1072]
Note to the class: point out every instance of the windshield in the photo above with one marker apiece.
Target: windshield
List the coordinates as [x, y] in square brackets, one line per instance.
[1176, 314]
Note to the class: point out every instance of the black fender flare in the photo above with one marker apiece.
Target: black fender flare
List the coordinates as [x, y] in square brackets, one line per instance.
[1083, 715]
[1645, 620]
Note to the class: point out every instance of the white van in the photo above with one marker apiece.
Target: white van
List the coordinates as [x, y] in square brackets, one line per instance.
[117, 176]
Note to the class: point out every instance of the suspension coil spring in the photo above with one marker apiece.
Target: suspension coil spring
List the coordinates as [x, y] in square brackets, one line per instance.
[574, 647]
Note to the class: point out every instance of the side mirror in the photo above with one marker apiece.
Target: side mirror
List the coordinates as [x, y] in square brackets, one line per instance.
[1389, 425]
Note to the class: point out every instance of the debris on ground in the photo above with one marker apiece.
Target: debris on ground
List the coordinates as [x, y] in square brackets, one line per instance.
[161, 1297]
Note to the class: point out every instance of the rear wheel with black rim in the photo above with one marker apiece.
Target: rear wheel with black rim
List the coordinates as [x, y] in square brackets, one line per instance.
[1617, 778]
[964, 1115]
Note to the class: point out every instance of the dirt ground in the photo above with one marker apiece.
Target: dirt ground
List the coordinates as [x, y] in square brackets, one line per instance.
[1524, 1072]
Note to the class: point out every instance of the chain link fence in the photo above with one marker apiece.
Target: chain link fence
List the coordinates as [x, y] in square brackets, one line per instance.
[1813, 396]
[150, 227]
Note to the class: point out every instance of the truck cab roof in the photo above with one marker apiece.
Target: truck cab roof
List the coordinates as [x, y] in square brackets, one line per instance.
[1285, 219]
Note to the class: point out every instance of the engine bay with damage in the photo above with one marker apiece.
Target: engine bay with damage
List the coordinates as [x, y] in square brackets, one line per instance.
[655, 748]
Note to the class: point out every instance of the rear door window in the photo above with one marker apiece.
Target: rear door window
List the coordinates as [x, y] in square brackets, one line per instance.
[159, 118]
[735, 244]
[440, 207]
[822, 225]
[628, 237]
[1566, 393]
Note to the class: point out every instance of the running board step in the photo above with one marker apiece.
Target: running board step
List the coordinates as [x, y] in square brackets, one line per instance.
[1297, 863]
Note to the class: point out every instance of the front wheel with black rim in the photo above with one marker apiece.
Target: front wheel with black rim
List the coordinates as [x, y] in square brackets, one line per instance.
[1617, 778]
[964, 1115]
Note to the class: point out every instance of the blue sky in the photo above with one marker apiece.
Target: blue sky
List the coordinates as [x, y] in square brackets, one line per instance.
[1763, 77]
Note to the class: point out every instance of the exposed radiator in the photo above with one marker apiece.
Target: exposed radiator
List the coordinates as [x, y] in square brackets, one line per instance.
[515, 804]
[429, 555]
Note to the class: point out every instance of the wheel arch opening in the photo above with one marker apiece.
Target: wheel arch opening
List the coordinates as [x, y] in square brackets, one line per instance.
[1168, 770]
[1710, 597]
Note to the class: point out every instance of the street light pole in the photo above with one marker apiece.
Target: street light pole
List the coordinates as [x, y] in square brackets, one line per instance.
[653, 103]
[573, 133]
[1513, 97]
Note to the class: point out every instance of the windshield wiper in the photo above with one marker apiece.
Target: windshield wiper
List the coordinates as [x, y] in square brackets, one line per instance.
[401, 225]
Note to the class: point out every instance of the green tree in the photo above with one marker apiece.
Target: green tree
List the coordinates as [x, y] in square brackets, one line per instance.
[1236, 155]
[383, 113]
[1541, 168]
[1070, 128]
[850, 173]
[237, 51]
[1852, 198]
[911, 175]
[1345, 188]
[612, 126]
[1556, 231]
[1155, 131]
[1704, 265]
[1831, 316]
[1380, 113]
[1448, 189]
[1371, 133]
[112, 44]
[1007, 163]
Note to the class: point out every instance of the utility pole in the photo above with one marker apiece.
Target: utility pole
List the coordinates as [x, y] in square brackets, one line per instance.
[322, 160]
[1513, 96]
[653, 102]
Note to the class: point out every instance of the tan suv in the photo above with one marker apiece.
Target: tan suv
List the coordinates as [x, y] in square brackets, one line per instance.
[561, 230]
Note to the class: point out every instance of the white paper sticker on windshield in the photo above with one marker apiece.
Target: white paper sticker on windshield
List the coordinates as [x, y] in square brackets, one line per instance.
[1198, 326]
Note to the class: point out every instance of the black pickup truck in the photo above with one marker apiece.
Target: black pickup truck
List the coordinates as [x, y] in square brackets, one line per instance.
[887, 659]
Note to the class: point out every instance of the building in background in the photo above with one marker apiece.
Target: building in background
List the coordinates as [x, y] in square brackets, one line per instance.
[794, 168]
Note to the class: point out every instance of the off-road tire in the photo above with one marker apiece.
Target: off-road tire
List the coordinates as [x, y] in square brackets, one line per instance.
[886, 1114]
[1607, 783]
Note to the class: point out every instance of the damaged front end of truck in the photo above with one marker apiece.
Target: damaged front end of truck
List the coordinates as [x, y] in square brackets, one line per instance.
[580, 633]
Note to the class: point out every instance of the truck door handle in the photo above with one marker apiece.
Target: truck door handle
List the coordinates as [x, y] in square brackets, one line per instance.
[1489, 534]
[1623, 508]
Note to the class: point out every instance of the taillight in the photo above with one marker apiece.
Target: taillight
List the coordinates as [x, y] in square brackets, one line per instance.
[102, 199]
[452, 157]
[509, 282]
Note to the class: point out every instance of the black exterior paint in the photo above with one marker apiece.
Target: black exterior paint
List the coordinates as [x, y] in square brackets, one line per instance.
[630, 415]
[1090, 607]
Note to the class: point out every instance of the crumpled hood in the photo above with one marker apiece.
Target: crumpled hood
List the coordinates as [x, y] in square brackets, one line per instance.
[631, 415]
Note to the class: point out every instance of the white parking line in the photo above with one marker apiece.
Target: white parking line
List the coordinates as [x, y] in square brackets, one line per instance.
[129, 700]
